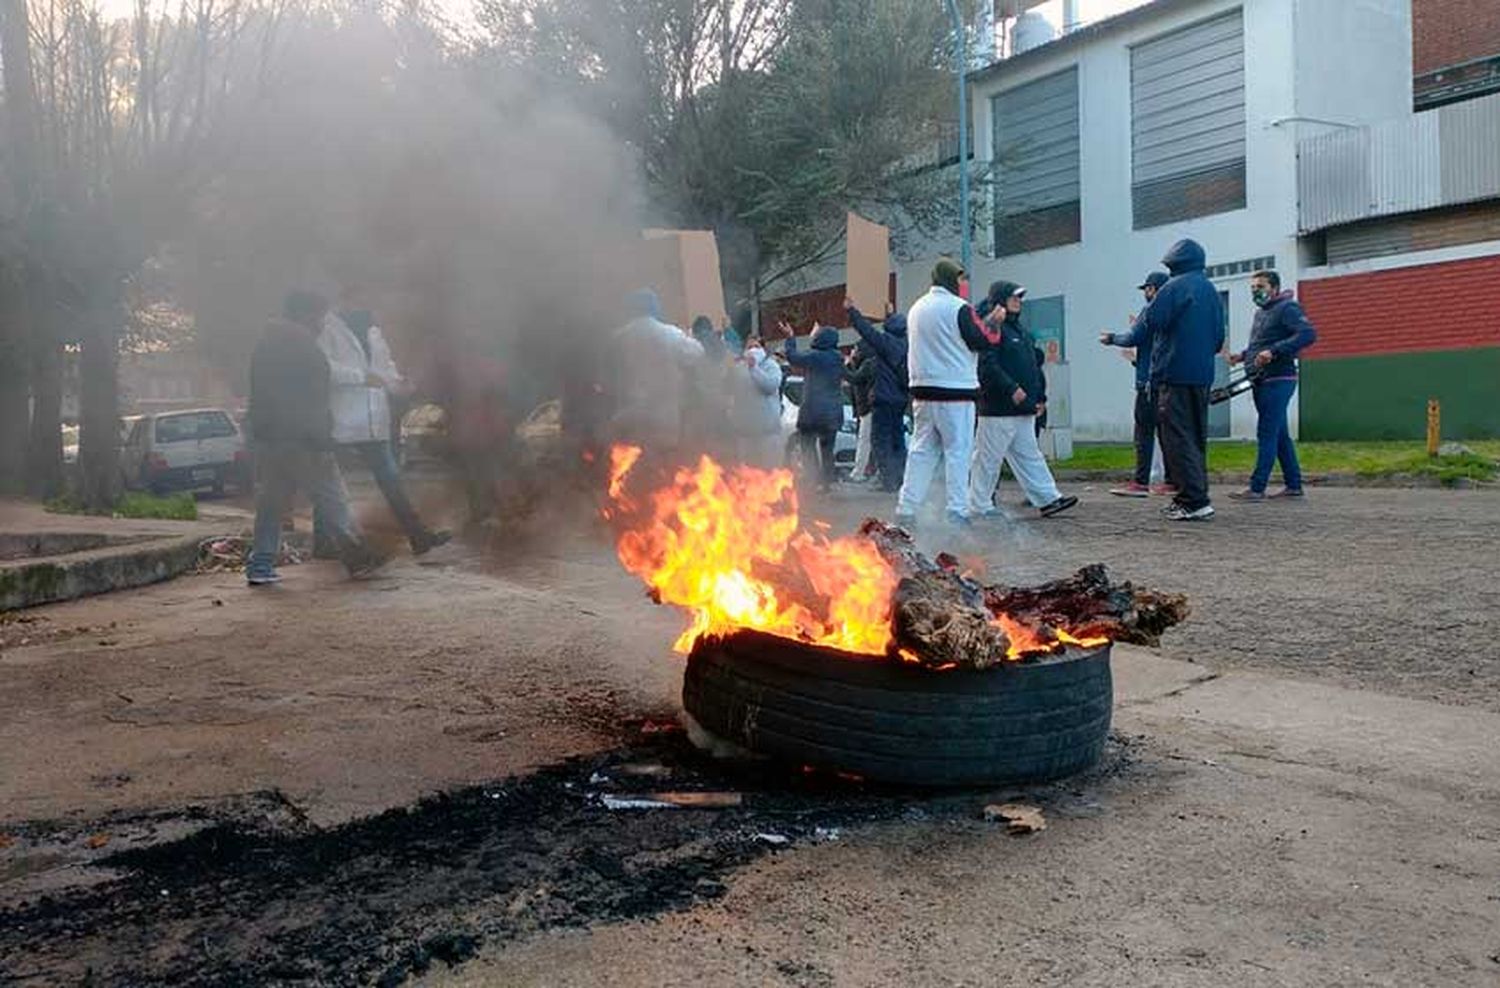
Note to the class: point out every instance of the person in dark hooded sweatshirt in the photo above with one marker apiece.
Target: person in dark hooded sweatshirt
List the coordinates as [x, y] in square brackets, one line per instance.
[1012, 390]
[822, 409]
[889, 397]
[1186, 325]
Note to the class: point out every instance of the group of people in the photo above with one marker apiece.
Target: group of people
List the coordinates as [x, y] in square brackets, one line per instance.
[321, 381]
[1175, 339]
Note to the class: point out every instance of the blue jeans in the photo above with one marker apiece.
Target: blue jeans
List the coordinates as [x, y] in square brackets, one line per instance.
[888, 444]
[380, 458]
[281, 470]
[1273, 440]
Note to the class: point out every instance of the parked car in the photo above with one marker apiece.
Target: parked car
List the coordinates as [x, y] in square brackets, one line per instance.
[844, 443]
[185, 451]
[423, 435]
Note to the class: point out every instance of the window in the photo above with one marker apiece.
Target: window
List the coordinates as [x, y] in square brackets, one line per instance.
[1036, 164]
[193, 426]
[1187, 125]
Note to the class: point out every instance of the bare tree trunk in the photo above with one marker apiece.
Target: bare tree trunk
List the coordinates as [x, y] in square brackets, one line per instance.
[20, 131]
[98, 386]
[44, 450]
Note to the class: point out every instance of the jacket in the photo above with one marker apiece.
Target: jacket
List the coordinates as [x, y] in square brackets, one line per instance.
[943, 339]
[1281, 327]
[861, 377]
[1006, 364]
[651, 360]
[889, 346]
[822, 368]
[361, 412]
[1185, 320]
[1140, 338]
[757, 394]
[289, 388]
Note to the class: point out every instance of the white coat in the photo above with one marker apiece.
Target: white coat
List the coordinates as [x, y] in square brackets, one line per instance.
[652, 358]
[361, 413]
[757, 394]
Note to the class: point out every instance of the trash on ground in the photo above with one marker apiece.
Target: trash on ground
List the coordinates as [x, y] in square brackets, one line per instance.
[1018, 818]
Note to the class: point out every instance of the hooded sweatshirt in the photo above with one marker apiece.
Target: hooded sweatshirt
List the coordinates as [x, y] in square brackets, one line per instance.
[822, 407]
[1185, 320]
[651, 358]
[889, 346]
[757, 394]
[289, 388]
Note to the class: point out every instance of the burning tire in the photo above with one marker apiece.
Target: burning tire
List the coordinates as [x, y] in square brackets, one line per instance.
[897, 723]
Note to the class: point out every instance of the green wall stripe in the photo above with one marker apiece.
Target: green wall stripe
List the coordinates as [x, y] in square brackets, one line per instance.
[1385, 396]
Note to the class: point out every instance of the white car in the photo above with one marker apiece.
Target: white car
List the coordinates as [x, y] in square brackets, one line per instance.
[185, 450]
[844, 443]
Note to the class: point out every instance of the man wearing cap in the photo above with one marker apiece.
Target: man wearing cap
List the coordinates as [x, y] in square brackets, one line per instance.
[1138, 338]
[1011, 392]
[943, 342]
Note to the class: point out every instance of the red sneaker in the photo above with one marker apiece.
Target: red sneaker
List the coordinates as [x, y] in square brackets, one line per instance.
[1131, 489]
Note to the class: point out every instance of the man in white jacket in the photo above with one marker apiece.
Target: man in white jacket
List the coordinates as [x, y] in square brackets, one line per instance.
[943, 340]
[757, 407]
[363, 374]
[651, 360]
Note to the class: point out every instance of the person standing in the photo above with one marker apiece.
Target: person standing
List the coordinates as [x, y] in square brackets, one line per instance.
[652, 360]
[889, 397]
[860, 373]
[1138, 338]
[291, 426]
[944, 339]
[1186, 325]
[1279, 333]
[1012, 391]
[363, 376]
[757, 406]
[821, 412]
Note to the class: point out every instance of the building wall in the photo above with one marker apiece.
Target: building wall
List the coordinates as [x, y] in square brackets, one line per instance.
[1388, 340]
[1447, 32]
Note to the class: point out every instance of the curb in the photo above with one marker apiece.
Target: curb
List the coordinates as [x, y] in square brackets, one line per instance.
[27, 583]
[1397, 480]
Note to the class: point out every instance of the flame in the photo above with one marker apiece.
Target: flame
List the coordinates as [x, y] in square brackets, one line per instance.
[714, 539]
[1025, 640]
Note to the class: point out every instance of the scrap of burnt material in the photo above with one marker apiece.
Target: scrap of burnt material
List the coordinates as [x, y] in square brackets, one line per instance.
[1089, 605]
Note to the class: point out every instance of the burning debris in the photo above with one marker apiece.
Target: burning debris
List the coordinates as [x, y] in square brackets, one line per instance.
[726, 544]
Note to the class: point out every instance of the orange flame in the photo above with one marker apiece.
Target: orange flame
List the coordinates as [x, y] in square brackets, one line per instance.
[714, 540]
[1026, 641]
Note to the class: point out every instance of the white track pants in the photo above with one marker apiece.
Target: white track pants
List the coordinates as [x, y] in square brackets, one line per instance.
[1011, 438]
[863, 446]
[940, 430]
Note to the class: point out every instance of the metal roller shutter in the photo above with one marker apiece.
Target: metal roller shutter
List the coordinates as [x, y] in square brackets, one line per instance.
[1036, 164]
[1187, 122]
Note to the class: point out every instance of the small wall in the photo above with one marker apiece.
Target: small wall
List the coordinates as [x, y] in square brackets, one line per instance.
[1384, 396]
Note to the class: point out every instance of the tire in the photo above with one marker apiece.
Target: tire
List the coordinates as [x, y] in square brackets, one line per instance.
[896, 723]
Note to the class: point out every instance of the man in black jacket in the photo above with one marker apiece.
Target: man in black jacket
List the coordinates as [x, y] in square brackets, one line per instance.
[291, 424]
[1011, 395]
[889, 398]
[1279, 333]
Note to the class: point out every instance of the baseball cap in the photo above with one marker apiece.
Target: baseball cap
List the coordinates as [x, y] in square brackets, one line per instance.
[1154, 280]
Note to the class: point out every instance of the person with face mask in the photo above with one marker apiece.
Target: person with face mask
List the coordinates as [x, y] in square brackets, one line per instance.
[1279, 333]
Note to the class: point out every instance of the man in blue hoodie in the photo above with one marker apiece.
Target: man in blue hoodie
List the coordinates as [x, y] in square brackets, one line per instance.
[822, 410]
[1186, 325]
[888, 412]
[1279, 333]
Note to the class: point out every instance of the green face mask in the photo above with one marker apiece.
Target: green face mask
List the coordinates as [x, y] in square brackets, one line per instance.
[1260, 296]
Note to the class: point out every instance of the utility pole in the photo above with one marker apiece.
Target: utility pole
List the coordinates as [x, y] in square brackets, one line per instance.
[961, 54]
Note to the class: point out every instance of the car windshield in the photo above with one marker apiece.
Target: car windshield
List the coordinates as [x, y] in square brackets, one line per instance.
[70, 435]
[191, 426]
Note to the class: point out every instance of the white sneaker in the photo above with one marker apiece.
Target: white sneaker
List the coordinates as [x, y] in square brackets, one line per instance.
[1177, 512]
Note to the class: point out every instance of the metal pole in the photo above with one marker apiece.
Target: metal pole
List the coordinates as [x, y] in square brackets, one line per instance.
[961, 52]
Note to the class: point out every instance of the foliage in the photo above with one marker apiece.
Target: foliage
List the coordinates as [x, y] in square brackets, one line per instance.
[1373, 460]
[134, 504]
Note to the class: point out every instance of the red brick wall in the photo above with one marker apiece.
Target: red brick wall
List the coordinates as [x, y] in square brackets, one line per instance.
[1446, 32]
[1448, 306]
[823, 305]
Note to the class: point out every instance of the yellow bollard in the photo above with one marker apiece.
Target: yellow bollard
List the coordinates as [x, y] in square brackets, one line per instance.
[1434, 426]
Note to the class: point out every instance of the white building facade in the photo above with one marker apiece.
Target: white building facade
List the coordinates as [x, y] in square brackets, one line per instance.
[1180, 118]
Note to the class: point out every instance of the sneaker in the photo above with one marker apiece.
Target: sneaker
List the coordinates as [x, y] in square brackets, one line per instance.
[1294, 493]
[1131, 489]
[1178, 512]
[1247, 495]
[430, 540]
[263, 579]
[908, 522]
[1164, 490]
[959, 521]
[1062, 504]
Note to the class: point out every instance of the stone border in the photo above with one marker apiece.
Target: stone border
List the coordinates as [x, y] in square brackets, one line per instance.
[46, 580]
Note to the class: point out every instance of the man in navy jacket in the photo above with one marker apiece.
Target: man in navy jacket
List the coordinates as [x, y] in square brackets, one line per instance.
[1186, 324]
[1279, 333]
